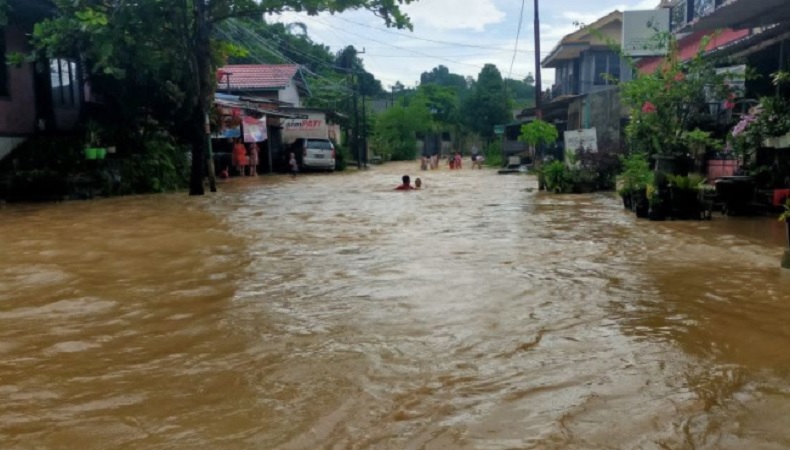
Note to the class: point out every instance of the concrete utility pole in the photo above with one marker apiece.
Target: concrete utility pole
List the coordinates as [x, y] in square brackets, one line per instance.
[538, 84]
[354, 84]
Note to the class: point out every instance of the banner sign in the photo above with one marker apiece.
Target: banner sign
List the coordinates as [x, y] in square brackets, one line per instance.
[586, 139]
[254, 129]
[641, 29]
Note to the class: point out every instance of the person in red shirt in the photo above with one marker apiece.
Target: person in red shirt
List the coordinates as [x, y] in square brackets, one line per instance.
[406, 186]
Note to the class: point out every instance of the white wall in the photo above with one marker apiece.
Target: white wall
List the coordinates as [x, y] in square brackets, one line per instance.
[291, 95]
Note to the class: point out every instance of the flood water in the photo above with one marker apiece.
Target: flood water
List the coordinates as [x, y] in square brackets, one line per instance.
[332, 313]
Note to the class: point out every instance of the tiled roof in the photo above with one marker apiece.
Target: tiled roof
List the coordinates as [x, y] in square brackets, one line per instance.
[260, 76]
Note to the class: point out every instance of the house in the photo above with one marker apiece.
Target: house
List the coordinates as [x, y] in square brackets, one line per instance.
[754, 34]
[282, 82]
[585, 61]
[45, 96]
[585, 93]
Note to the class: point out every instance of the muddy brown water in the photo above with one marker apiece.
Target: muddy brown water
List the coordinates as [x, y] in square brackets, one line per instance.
[332, 313]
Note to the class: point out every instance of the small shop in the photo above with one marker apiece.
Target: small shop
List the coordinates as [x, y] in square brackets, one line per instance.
[255, 123]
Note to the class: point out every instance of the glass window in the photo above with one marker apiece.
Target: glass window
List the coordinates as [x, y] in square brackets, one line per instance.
[679, 14]
[614, 68]
[601, 68]
[65, 88]
[703, 7]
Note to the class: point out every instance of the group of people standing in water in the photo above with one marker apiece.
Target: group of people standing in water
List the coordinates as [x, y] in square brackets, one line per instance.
[454, 162]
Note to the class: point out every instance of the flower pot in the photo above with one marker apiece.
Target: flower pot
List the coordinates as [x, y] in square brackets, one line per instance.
[656, 214]
[91, 153]
[640, 203]
[685, 204]
[627, 201]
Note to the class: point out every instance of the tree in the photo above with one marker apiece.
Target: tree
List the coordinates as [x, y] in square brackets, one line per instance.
[186, 28]
[487, 106]
[396, 129]
[441, 76]
[529, 80]
[520, 92]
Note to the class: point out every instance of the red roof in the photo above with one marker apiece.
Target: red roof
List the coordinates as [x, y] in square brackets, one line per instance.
[257, 76]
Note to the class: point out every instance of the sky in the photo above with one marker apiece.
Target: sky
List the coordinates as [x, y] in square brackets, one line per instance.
[470, 34]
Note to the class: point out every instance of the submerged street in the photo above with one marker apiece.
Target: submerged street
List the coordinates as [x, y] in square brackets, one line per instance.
[332, 313]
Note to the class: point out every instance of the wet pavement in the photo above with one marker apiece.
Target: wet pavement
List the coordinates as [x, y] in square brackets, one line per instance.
[332, 313]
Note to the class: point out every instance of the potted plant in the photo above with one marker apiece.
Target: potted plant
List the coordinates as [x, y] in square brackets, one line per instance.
[656, 211]
[93, 149]
[635, 178]
[685, 196]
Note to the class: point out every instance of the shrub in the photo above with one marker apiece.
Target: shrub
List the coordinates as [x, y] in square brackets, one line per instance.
[493, 154]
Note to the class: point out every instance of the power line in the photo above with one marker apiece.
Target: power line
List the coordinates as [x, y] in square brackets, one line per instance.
[256, 38]
[477, 66]
[518, 36]
[436, 41]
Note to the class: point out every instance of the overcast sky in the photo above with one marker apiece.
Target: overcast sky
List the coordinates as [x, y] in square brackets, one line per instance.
[471, 34]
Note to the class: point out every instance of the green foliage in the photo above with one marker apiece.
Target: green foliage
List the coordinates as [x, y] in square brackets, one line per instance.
[487, 104]
[636, 175]
[701, 139]
[557, 177]
[785, 216]
[692, 182]
[666, 102]
[493, 154]
[395, 135]
[521, 92]
[162, 166]
[538, 132]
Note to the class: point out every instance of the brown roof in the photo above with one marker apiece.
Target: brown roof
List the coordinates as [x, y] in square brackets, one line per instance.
[258, 76]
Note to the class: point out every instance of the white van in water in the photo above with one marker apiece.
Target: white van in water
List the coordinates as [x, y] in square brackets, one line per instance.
[315, 153]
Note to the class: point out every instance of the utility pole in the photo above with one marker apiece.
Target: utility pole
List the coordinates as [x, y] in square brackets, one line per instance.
[538, 84]
[361, 159]
[364, 130]
[356, 120]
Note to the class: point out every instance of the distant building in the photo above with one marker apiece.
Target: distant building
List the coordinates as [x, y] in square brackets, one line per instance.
[585, 93]
[281, 82]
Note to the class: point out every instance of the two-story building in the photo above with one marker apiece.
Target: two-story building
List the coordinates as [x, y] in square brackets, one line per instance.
[588, 68]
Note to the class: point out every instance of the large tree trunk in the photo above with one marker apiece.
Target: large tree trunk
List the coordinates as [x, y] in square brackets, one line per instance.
[198, 120]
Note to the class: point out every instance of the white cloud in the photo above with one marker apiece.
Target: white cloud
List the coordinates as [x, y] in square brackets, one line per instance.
[454, 15]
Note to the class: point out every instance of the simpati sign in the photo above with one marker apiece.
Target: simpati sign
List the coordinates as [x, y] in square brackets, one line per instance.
[586, 139]
[641, 30]
[313, 127]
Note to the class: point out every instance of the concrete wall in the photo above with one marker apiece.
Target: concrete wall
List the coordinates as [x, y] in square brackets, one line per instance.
[602, 110]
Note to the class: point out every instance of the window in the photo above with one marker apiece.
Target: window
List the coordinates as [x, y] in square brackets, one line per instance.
[703, 7]
[607, 68]
[4, 89]
[65, 87]
[679, 15]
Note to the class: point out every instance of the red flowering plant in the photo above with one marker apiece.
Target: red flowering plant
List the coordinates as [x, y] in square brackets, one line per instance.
[670, 101]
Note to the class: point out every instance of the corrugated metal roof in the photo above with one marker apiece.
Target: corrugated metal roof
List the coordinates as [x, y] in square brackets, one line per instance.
[258, 76]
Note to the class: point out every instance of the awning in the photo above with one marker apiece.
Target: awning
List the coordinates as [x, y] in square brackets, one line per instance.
[552, 108]
[230, 101]
[753, 43]
[744, 14]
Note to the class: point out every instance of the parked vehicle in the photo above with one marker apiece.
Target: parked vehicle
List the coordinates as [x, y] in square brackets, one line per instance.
[316, 154]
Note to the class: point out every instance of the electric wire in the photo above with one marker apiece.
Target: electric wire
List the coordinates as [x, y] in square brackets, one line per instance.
[518, 36]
